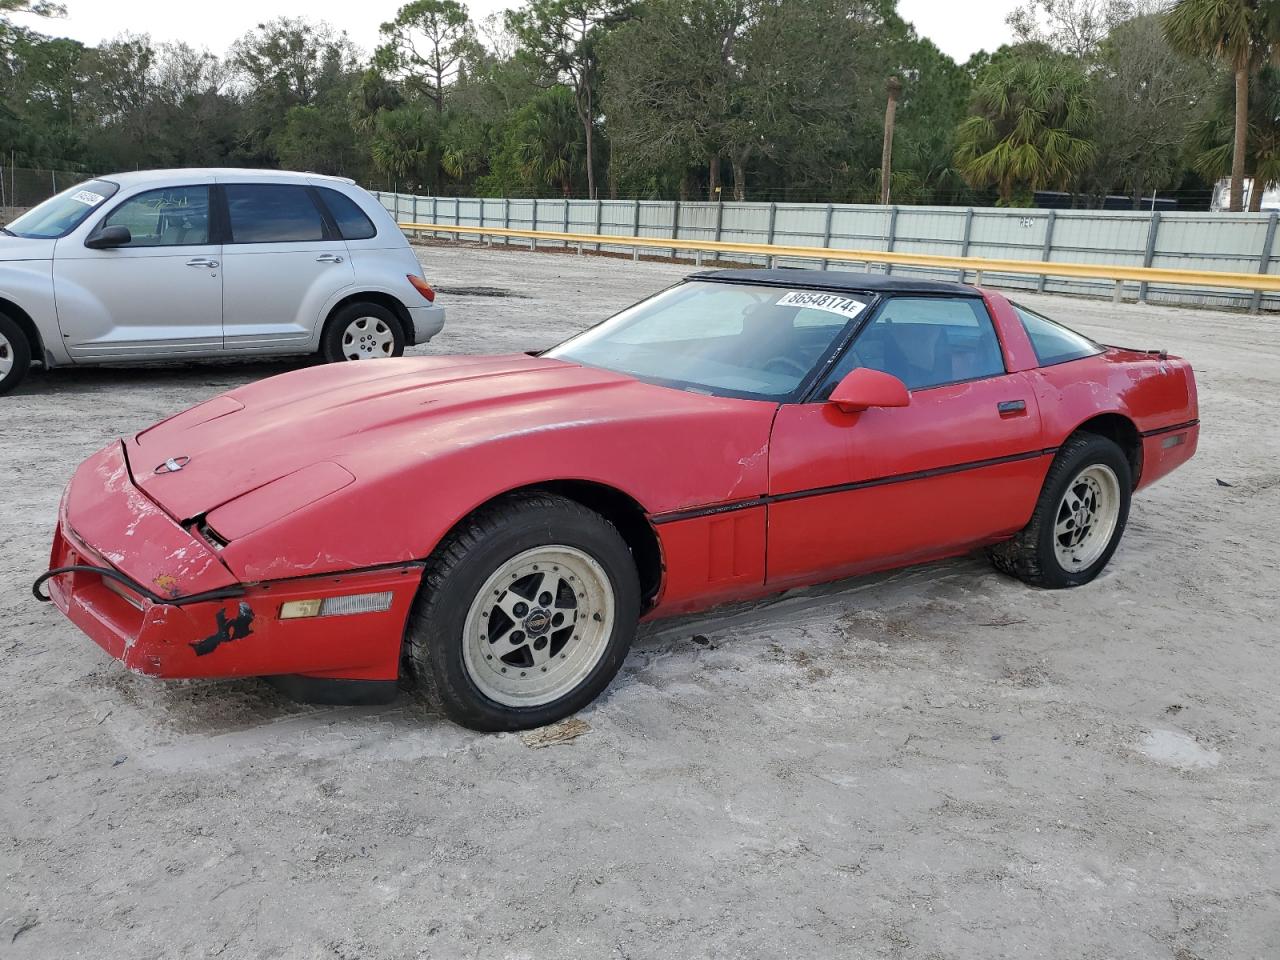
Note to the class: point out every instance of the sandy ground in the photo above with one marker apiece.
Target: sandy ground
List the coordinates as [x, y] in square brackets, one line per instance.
[940, 763]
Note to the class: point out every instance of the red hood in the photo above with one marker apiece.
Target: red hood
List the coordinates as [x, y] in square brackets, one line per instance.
[419, 421]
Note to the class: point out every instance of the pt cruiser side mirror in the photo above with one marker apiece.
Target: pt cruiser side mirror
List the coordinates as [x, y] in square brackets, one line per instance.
[113, 236]
[864, 388]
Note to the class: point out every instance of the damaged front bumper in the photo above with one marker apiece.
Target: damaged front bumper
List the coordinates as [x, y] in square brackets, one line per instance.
[155, 595]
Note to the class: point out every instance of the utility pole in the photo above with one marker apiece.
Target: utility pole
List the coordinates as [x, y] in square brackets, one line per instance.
[893, 87]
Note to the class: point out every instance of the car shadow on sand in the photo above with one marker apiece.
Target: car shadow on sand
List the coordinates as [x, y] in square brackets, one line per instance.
[224, 374]
[250, 715]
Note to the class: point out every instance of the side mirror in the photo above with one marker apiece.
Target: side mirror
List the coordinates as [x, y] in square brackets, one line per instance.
[113, 236]
[864, 388]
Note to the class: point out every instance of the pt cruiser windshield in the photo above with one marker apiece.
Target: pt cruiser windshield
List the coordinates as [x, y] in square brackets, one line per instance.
[61, 214]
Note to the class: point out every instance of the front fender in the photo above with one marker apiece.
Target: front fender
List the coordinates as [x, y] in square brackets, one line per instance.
[28, 285]
[392, 516]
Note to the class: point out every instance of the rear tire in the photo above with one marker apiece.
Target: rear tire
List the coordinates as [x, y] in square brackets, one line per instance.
[525, 614]
[15, 354]
[1079, 518]
[362, 331]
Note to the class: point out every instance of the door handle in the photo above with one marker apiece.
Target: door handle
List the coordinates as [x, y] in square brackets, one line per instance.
[202, 262]
[1011, 408]
[328, 258]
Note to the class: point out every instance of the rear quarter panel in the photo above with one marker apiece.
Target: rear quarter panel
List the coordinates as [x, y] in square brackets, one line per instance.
[1157, 394]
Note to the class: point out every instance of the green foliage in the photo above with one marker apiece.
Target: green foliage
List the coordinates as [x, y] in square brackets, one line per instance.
[763, 99]
[562, 39]
[1209, 146]
[427, 44]
[1029, 125]
[406, 146]
[1242, 34]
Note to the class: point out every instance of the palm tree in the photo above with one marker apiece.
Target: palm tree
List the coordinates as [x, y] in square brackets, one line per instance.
[1242, 34]
[1210, 140]
[550, 148]
[1028, 125]
[893, 89]
[406, 145]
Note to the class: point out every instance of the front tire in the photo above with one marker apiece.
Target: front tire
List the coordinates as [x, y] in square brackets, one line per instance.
[15, 354]
[1078, 520]
[526, 612]
[362, 331]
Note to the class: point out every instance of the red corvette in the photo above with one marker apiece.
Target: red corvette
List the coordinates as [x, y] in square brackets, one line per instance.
[496, 526]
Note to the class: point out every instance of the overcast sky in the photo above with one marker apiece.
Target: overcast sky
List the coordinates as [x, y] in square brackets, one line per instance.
[959, 28]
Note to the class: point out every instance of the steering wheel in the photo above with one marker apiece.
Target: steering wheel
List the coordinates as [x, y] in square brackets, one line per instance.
[786, 365]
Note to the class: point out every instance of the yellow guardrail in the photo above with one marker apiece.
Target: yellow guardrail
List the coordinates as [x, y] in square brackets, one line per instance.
[978, 265]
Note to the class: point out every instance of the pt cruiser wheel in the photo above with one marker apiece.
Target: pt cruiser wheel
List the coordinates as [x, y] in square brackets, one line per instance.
[1078, 520]
[526, 613]
[362, 331]
[15, 354]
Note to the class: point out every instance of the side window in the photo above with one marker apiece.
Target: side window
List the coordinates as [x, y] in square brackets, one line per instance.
[170, 217]
[924, 342]
[352, 222]
[1052, 342]
[272, 213]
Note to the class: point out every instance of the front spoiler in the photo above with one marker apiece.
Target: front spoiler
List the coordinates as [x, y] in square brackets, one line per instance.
[205, 623]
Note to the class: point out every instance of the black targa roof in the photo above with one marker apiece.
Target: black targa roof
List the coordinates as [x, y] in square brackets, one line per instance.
[844, 281]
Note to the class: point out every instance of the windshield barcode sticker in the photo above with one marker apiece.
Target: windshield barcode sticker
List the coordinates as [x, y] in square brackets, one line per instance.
[88, 197]
[829, 302]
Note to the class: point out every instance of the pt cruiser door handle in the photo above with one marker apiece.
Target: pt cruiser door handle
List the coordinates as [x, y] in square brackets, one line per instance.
[328, 258]
[1012, 408]
[202, 262]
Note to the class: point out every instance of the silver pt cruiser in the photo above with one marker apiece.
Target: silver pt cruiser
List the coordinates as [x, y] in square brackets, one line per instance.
[202, 263]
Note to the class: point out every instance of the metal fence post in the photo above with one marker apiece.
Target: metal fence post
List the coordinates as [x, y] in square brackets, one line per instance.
[599, 220]
[893, 235]
[1153, 228]
[635, 232]
[435, 211]
[566, 221]
[417, 233]
[1264, 260]
[826, 234]
[773, 219]
[533, 241]
[968, 233]
[1047, 249]
[675, 226]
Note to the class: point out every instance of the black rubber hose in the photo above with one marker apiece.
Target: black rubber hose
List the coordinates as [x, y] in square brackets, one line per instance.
[222, 593]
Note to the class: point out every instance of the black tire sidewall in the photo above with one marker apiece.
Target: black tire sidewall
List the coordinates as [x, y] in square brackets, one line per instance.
[1092, 450]
[443, 624]
[331, 341]
[21, 348]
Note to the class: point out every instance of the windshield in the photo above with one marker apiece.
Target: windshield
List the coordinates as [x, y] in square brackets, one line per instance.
[59, 215]
[725, 339]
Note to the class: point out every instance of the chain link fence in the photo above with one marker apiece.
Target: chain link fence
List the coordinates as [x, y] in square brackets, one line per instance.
[24, 187]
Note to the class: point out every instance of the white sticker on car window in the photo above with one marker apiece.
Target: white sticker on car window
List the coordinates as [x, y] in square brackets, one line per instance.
[88, 197]
[829, 302]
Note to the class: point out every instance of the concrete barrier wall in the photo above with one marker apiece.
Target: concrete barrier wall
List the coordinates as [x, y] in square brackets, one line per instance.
[1231, 242]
